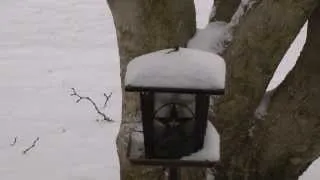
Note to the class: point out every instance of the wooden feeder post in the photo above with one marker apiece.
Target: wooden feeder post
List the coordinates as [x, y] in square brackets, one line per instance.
[173, 174]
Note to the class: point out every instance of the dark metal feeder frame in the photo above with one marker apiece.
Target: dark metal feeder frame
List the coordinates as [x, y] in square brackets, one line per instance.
[170, 145]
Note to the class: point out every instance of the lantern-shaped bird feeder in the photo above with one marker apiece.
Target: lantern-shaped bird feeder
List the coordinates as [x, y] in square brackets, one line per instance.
[174, 87]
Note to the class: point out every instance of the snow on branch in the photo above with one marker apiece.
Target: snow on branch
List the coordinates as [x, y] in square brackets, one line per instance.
[243, 8]
[214, 38]
[218, 34]
[104, 116]
[32, 146]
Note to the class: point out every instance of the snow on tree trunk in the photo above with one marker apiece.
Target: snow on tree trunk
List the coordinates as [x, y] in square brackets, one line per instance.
[145, 26]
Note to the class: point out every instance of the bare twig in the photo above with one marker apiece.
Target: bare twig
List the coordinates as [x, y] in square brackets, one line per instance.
[105, 117]
[32, 146]
[14, 141]
[107, 99]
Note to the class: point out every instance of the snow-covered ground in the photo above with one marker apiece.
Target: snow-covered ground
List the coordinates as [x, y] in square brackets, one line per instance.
[46, 48]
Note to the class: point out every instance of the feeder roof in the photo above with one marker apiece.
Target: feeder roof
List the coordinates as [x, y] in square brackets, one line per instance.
[182, 70]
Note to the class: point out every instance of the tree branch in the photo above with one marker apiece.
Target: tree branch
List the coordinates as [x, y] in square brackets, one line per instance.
[250, 64]
[32, 146]
[105, 117]
[107, 99]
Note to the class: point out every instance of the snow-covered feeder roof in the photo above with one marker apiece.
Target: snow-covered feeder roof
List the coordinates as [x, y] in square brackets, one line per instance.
[186, 70]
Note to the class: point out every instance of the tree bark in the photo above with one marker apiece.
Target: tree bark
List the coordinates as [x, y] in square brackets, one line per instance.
[223, 10]
[144, 26]
[292, 139]
[259, 44]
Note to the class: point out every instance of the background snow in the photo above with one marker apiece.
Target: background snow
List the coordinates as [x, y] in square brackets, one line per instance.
[46, 48]
[203, 10]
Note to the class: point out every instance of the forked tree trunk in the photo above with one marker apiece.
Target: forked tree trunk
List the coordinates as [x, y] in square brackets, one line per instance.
[259, 44]
[288, 141]
[281, 147]
[293, 134]
[144, 26]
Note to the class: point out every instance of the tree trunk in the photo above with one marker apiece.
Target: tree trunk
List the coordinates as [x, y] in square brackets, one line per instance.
[293, 134]
[287, 142]
[144, 26]
[259, 43]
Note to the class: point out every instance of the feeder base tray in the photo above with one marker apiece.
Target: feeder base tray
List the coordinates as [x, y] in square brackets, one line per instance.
[136, 156]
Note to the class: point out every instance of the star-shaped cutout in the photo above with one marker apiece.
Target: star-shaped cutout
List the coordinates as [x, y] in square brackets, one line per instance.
[173, 120]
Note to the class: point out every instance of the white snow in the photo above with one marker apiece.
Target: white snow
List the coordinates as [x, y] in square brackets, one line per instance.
[46, 48]
[213, 38]
[290, 58]
[211, 146]
[185, 68]
[203, 8]
[216, 35]
[312, 173]
[210, 174]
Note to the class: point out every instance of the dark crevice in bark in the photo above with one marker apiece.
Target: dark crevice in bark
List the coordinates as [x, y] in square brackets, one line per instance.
[224, 10]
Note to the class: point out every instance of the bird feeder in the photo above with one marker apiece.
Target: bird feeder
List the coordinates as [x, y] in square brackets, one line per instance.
[174, 88]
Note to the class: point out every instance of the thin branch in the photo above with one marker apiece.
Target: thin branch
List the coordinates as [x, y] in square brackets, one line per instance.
[105, 117]
[107, 99]
[14, 141]
[32, 146]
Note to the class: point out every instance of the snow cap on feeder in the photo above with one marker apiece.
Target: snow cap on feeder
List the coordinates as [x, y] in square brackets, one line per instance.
[184, 69]
[174, 87]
